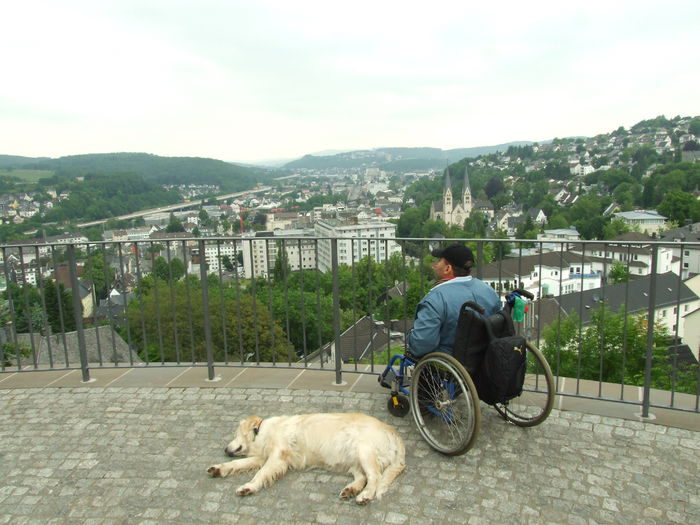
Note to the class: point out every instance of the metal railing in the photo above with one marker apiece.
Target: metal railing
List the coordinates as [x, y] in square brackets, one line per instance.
[612, 328]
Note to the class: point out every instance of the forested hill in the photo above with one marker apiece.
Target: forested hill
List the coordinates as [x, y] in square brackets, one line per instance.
[153, 168]
[396, 159]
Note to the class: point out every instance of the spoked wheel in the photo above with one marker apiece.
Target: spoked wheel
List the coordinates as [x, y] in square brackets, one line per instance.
[444, 404]
[535, 403]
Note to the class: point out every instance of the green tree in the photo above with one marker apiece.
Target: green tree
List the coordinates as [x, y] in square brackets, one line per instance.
[680, 206]
[101, 275]
[240, 325]
[175, 225]
[694, 127]
[619, 273]
[612, 348]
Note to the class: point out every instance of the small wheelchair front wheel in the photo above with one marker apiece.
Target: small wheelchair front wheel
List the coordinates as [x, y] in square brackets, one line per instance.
[445, 404]
[398, 405]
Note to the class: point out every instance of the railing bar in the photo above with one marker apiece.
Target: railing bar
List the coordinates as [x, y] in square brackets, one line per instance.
[139, 279]
[188, 294]
[122, 270]
[109, 283]
[93, 293]
[205, 309]
[650, 332]
[27, 308]
[238, 299]
[222, 296]
[13, 314]
[173, 308]
[302, 298]
[580, 325]
[156, 297]
[269, 283]
[44, 313]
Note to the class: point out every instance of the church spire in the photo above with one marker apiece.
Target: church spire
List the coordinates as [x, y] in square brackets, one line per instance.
[467, 193]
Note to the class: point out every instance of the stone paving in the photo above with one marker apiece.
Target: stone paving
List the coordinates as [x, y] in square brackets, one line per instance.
[103, 455]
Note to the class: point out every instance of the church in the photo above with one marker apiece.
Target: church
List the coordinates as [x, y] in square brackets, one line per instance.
[448, 209]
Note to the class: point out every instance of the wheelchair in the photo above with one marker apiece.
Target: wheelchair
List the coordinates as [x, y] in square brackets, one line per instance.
[439, 389]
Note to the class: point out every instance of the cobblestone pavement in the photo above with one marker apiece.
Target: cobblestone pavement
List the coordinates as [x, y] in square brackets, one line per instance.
[138, 455]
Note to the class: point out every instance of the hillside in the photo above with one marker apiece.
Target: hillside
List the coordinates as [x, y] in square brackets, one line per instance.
[395, 159]
[153, 168]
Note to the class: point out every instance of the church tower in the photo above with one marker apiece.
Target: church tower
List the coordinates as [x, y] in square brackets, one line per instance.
[447, 204]
[467, 203]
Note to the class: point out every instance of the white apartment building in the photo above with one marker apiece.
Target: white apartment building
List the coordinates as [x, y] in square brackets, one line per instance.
[260, 251]
[551, 273]
[644, 221]
[356, 240]
[553, 240]
[686, 248]
[214, 254]
[637, 256]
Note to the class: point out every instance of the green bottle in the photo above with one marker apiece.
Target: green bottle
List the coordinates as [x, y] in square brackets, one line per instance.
[519, 310]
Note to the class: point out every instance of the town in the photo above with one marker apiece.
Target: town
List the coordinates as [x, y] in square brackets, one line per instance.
[514, 200]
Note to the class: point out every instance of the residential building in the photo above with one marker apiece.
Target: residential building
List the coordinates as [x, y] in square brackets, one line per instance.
[644, 221]
[553, 240]
[356, 240]
[553, 273]
[675, 301]
[261, 250]
[634, 251]
[688, 255]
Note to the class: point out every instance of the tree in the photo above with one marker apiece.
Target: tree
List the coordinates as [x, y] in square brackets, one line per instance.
[680, 206]
[694, 127]
[240, 325]
[494, 186]
[175, 225]
[161, 269]
[619, 273]
[612, 348]
[228, 264]
[282, 268]
[101, 275]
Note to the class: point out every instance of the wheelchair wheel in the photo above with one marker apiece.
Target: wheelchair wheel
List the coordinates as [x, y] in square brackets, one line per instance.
[444, 404]
[398, 405]
[535, 403]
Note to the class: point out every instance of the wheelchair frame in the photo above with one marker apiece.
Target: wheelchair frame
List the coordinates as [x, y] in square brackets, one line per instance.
[445, 403]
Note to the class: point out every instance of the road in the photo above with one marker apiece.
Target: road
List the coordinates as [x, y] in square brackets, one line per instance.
[172, 207]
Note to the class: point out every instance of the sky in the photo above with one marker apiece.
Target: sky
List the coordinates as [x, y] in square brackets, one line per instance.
[277, 79]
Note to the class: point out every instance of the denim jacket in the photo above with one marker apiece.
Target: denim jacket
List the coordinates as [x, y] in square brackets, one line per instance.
[437, 313]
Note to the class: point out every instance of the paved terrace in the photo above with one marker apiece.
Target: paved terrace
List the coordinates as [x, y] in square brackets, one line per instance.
[132, 446]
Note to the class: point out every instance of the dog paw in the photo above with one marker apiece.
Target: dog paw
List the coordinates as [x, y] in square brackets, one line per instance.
[362, 499]
[348, 492]
[214, 472]
[245, 490]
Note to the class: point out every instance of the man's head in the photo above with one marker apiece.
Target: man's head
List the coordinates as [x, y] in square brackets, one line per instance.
[456, 260]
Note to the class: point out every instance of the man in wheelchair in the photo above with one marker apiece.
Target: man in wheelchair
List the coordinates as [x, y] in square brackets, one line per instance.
[437, 314]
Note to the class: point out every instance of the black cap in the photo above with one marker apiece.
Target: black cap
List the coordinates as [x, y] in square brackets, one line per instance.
[456, 254]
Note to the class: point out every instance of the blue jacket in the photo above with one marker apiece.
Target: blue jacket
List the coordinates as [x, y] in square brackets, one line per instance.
[437, 313]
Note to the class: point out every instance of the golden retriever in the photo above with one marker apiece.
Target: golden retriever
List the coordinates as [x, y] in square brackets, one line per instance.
[361, 445]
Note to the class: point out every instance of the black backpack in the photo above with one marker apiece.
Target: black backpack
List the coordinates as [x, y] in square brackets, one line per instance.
[491, 352]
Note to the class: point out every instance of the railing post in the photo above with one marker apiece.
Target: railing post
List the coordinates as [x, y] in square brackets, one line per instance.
[650, 333]
[336, 312]
[78, 313]
[205, 309]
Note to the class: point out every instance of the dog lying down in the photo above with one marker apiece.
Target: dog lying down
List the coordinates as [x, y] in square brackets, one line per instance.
[372, 451]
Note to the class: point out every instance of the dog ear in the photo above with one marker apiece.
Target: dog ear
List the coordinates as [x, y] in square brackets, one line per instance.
[257, 421]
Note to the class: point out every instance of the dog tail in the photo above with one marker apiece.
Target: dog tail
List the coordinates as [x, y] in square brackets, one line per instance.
[394, 468]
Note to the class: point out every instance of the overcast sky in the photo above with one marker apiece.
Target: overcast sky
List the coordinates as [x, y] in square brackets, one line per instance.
[264, 79]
